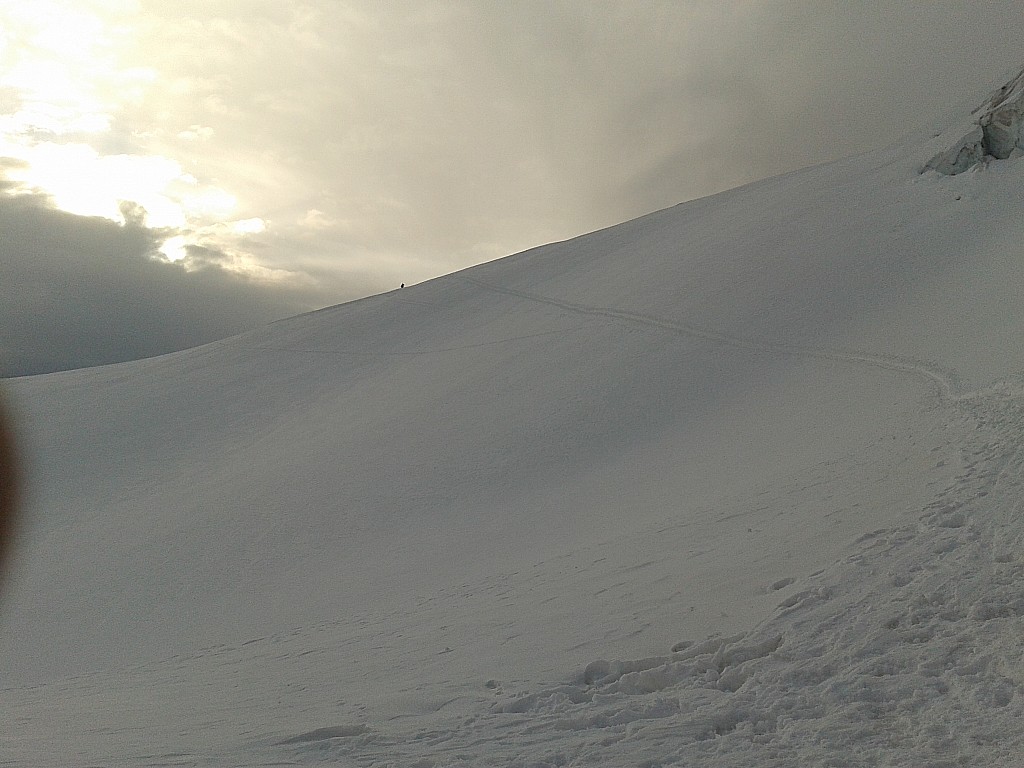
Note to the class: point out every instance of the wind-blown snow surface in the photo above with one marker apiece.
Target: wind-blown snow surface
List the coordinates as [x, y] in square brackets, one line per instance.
[736, 483]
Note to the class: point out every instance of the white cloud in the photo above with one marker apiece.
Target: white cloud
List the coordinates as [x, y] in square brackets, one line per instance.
[196, 132]
[251, 226]
[174, 248]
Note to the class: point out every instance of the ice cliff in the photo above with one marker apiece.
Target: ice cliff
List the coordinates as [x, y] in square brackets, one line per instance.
[996, 131]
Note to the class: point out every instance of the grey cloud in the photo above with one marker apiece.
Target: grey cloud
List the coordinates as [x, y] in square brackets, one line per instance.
[450, 132]
[78, 291]
[683, 100]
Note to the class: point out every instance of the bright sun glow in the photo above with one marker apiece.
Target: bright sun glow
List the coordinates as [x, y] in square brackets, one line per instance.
[64, 79]
[81, 181]
[60, 59]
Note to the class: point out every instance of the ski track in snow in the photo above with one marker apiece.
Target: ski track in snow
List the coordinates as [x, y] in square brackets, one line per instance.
[944, 381]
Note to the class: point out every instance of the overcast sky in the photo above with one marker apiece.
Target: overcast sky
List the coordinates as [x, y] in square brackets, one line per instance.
[175, 171]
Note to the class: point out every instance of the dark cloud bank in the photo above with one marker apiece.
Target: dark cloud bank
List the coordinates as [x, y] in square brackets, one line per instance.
[77, 292]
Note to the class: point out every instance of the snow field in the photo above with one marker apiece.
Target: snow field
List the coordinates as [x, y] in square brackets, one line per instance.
[735, 483]
[908, 648]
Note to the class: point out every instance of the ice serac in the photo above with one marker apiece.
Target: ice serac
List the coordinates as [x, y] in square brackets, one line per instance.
[997, 131]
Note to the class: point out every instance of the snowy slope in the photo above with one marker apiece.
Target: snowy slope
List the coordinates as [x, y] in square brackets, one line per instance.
[736, 482]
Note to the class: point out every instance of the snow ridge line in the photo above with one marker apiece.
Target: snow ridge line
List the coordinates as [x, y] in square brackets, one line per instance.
[944, 381]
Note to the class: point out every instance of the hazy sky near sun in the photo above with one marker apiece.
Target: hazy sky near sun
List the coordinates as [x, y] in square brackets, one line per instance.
[271, 157]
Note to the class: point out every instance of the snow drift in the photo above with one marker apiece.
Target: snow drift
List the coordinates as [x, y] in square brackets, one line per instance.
[736, 482]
